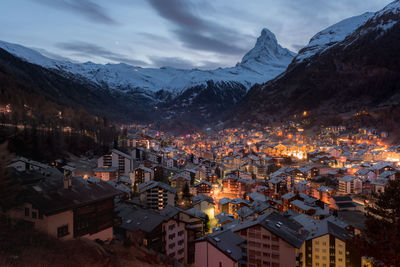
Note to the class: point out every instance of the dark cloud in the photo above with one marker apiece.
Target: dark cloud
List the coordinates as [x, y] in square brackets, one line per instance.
[86, 8]
[92, 50]
[175, 62]
[181, 63]
[196, 32]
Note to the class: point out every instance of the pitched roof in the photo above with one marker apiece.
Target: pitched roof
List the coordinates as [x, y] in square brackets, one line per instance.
[280, 226]
[49, 195]
[134, 219]
[244, 212]
[201, 197]
[181, 175]
[152, 184]
[319, 228]
[227, 242]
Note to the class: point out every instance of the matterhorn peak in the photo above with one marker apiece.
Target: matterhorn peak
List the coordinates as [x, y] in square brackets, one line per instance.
[267, 50]
[266, 36]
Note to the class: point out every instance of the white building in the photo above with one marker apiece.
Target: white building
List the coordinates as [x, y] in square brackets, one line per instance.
[350, 185]
[123, 162]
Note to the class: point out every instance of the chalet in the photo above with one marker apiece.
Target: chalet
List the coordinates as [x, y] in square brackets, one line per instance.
[225, 219]
[205, 204]
[179, 181]
[203, 187]
[233, 185]
[366, 174]
[301, 207]
[381, 167]
[245, 213]
[378, 186]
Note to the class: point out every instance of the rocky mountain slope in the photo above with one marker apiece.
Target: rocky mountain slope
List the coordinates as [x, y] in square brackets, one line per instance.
[25, 84]
[360, 72]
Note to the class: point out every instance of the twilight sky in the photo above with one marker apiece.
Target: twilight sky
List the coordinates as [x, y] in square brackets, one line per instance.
[180, 33]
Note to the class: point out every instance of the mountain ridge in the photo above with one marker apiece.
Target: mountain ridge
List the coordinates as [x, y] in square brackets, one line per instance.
[361, 72]
[125, 77]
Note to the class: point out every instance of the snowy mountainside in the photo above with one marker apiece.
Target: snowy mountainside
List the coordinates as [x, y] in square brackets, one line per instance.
[330, 36]
[264, 62]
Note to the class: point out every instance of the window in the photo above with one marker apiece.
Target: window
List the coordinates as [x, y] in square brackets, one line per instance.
[26, 211]
[275, 247]
[40, 215]
[34, 215]
[62, 231]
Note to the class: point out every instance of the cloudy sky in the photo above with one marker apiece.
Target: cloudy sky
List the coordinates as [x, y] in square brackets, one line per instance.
[179, 33]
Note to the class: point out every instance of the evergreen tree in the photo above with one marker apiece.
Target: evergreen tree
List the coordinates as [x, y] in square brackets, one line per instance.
[380, 238]
[8, 187]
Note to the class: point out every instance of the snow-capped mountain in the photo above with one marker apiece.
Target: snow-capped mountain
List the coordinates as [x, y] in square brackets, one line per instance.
[265, 61]
[337, 78]
[330, 36]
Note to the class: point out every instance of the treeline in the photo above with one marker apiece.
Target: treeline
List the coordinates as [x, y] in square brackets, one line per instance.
[47, 145]
[44, 116]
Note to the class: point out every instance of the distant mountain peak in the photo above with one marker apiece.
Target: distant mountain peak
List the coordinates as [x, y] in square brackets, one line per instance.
[265, 61]
[267, 50]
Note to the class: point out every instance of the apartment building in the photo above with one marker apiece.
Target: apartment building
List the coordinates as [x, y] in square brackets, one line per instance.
[272, 240]
[122, 161]
[142, 174]
[350, 185]
[326, 244]
[194, 228]
[157, 195]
